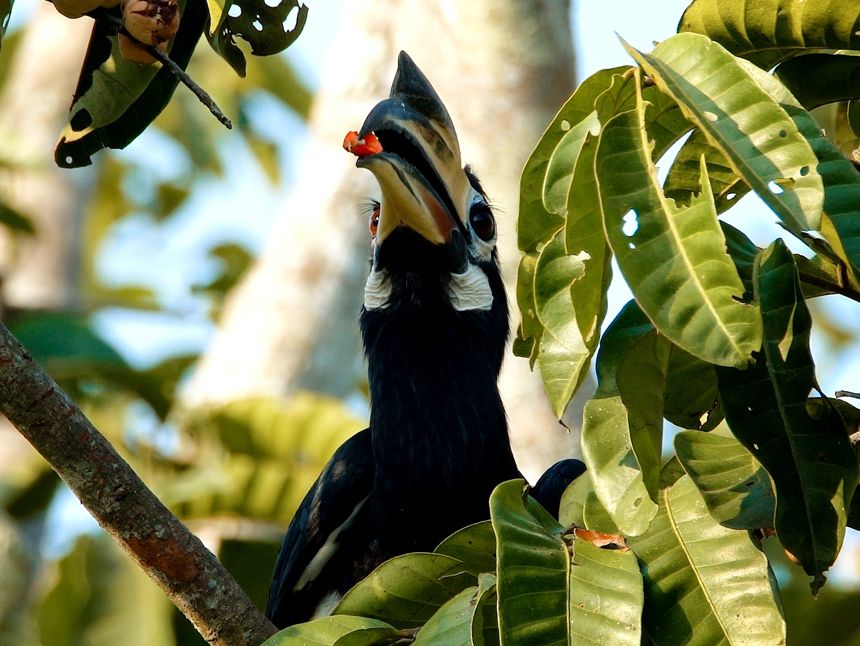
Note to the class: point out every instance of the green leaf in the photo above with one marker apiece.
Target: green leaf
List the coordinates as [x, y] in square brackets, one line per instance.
[734, 485]
[690, 390]
[674, 259]
[116, 100]
[754, 133]
[743, 253]
[529, 331]
[704, 583]
[617, 476]
[769, 31]
[259, 23]
[581, 508]
[407, 590]
[606, 596]
[534, 566]
[817, 79]
[840, 224]
[559, 170]
[641, 380]
[810, 460]
[584, 238]
[684, 179]
[460, 621]
[562, 355]
[536, 224]
[474, 546]
[326, 631]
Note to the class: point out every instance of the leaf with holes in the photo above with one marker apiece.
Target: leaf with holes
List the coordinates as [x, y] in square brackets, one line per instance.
[734, 485]
[840, 222]
[268, 26]
[328, 631]
[534, 566]
[537, 225]
[116, 100]
[674, 259]
[584, 236]
[702, 577]
[809, 459]
[739, 118]
[769, 31]
[606, 596]
[407, 590]
[607, 448]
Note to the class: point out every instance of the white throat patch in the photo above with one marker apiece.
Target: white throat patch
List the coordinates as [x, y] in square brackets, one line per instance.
[468, 291]
[377, 290]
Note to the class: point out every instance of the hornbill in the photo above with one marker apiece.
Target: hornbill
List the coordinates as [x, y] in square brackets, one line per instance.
[434, 327]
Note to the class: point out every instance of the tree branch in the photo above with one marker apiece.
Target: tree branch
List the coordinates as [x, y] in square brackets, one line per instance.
[163, 547]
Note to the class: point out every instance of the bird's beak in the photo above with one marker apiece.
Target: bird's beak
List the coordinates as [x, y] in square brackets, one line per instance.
[419, 170]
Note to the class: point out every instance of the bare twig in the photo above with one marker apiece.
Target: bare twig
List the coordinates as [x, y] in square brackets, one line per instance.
[121, 503]
[847, 393]
[115, 22]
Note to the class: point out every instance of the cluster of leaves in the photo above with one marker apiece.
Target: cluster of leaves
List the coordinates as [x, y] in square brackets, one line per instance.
[716, 341]
[519, 577]
[116, 100]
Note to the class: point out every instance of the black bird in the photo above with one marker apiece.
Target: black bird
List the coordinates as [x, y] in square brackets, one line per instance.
[434, 326]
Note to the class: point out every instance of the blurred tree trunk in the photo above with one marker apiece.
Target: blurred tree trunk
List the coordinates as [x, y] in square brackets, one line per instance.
[503, 68]
[40, 271]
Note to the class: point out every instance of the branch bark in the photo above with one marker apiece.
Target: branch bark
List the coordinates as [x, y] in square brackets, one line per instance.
[162, 546]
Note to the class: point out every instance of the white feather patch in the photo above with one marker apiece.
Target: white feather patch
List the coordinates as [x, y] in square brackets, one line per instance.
[327, 605]
[324, 554]
[377, 290]
[470, 290]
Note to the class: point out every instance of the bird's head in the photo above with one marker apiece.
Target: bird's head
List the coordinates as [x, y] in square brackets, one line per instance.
[433, 231]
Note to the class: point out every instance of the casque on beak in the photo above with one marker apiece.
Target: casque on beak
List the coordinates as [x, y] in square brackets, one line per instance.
[419, 170]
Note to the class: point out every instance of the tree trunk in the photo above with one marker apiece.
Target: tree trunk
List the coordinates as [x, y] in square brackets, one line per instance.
[502, 69]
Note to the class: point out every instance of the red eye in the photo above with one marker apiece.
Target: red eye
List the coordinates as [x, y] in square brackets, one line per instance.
[373, 225]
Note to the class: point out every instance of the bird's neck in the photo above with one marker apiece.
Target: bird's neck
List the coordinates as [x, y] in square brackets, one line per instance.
[436, 414]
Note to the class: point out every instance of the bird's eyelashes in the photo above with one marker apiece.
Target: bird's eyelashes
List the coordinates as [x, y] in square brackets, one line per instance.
[370, 209]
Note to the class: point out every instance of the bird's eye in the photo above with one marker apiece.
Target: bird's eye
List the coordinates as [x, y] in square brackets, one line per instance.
[373, 224]
[482, 221]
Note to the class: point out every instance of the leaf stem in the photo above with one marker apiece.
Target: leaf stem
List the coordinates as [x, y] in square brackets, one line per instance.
[115, 22]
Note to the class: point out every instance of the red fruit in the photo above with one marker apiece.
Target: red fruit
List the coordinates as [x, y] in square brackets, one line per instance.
[361, 147]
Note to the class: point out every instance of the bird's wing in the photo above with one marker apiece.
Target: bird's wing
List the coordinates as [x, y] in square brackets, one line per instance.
[312, 538]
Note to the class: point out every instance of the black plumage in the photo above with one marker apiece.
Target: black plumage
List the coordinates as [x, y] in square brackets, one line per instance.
[434, 328]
